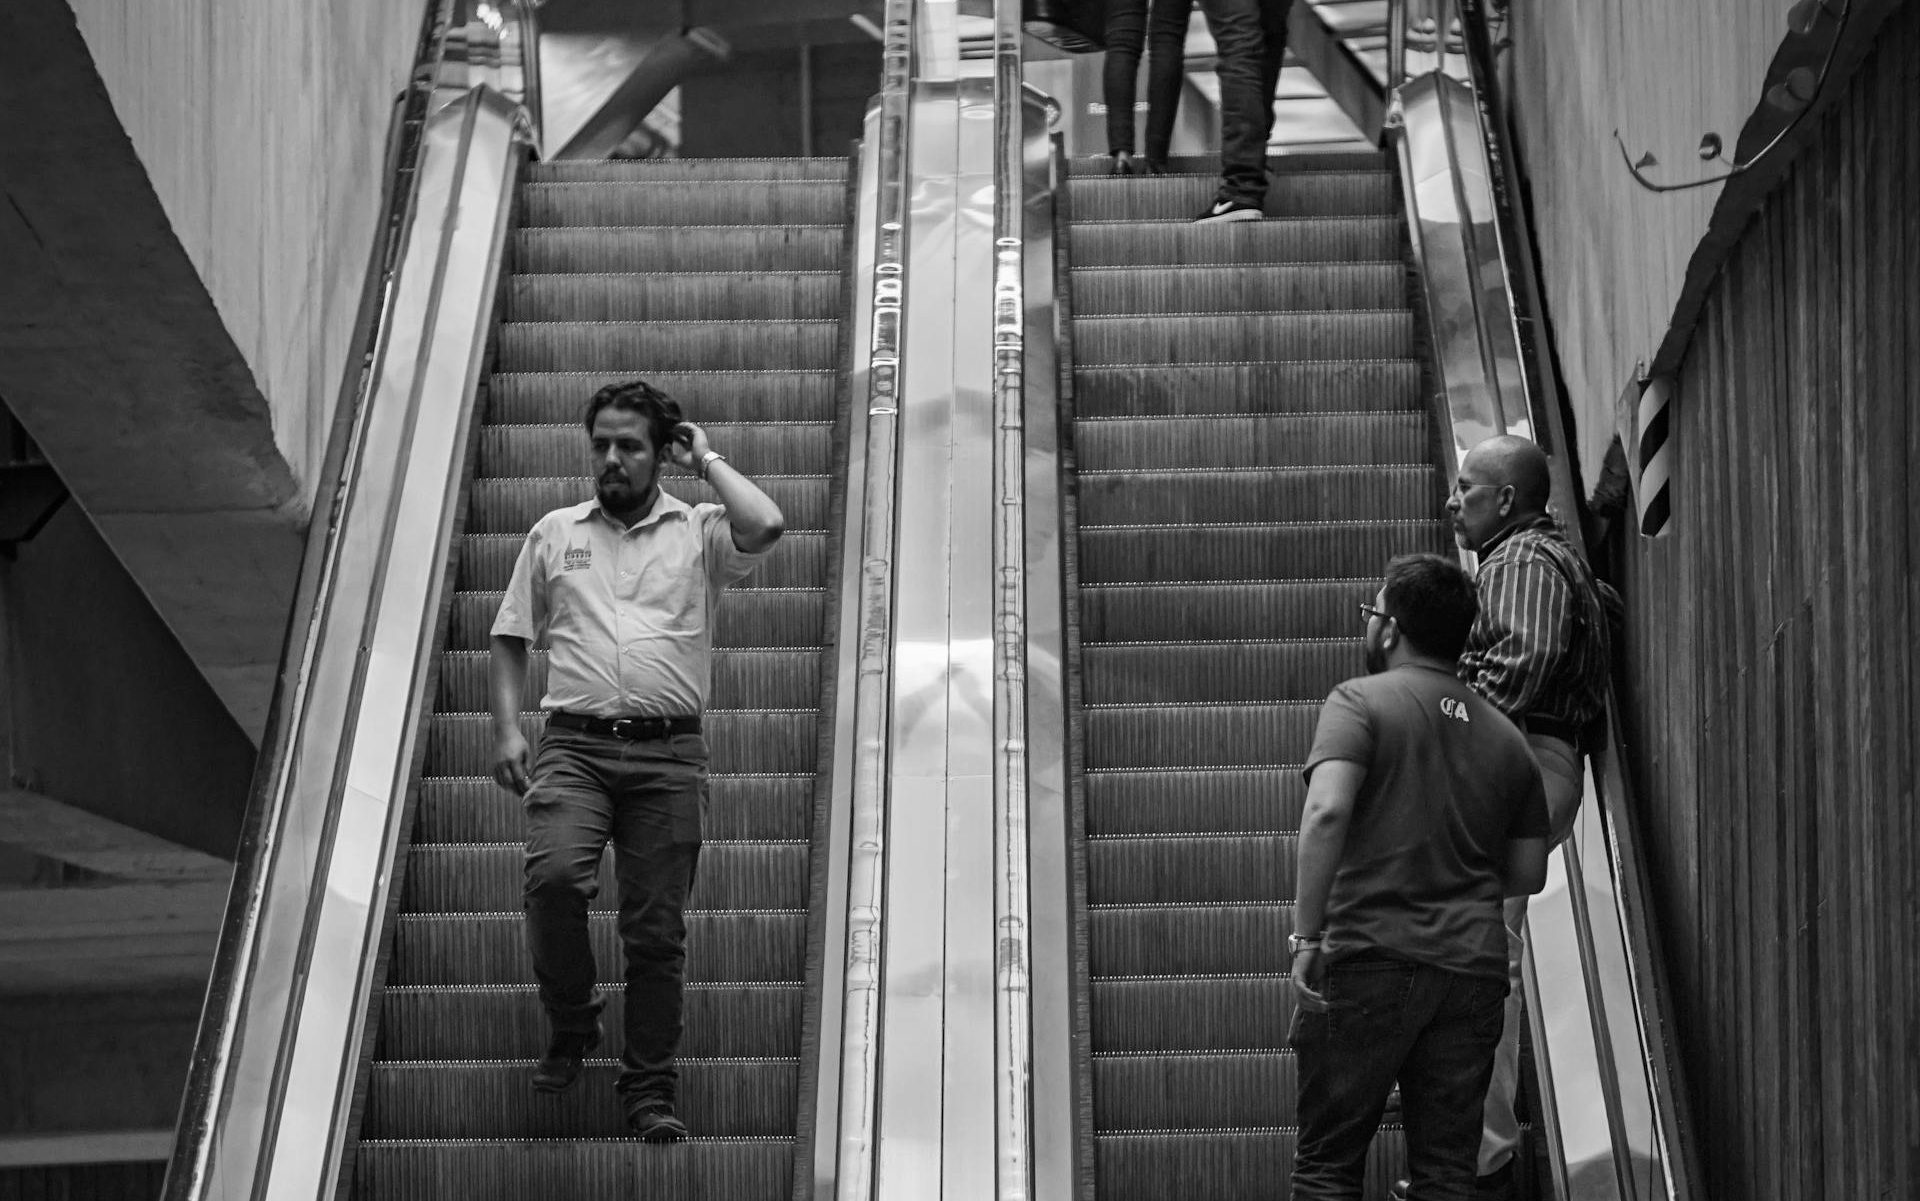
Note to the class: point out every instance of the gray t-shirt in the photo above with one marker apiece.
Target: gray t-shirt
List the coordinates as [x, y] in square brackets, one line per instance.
[1449, 781]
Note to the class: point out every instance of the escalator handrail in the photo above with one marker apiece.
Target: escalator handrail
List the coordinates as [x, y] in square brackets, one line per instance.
[282, 869]
[1624, 838]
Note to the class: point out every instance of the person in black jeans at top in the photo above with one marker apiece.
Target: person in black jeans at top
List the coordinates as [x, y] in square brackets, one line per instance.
[1251, 39]
[1424, 809]
[1161, 27]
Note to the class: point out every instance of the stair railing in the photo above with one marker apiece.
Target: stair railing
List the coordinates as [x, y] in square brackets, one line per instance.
[1611, 1084]
[274, 1090]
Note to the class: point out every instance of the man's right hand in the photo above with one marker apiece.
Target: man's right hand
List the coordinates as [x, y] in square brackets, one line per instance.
[511, 761]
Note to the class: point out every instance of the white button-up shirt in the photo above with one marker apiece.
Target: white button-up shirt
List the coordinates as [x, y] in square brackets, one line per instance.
[627, 612]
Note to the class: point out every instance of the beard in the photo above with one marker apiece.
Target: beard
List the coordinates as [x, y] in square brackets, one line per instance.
[618, 494]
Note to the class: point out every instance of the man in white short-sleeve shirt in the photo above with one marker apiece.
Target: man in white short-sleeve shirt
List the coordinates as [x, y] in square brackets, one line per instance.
[624, 588]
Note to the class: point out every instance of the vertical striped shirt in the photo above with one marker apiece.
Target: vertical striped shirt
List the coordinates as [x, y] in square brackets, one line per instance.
[1540, 645]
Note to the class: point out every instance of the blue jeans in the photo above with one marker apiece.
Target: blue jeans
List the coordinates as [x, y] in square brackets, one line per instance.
[1162, 31]
[648, 798]
[1435, 1031]
[1251, 37]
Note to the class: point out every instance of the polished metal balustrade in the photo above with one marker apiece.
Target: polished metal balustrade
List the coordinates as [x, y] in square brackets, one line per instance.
[274, 1086]
[1611, 1087]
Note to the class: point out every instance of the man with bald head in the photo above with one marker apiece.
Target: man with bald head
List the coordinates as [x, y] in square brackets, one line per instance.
[1538, 651]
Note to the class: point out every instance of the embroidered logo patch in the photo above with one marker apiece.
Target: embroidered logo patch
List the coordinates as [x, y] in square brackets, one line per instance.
[579, 558]
[1456, 709]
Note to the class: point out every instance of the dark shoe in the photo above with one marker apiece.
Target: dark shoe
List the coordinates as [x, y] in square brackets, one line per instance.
[1121, 163]
[654, 1122]
[1223, 211]
[1154, 166]
[561, 1067]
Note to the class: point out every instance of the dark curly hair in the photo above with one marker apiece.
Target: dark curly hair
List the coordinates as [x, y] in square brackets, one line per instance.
[661, 412]
[1433, 602]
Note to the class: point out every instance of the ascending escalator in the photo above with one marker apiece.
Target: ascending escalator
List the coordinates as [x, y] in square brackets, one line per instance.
[1253, 446]
[722, 283]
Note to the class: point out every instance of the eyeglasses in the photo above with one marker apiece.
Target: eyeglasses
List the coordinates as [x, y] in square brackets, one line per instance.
[1462, 487]
[1368, 612]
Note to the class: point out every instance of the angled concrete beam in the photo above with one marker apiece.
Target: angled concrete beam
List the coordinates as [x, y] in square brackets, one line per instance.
[56, 830]
[108, 939]
[1345, 77]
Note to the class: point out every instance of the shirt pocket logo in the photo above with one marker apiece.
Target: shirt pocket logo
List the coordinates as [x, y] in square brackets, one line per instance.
[577, 558]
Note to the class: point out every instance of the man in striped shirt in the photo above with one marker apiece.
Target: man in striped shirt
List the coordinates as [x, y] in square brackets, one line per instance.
[1538, 652]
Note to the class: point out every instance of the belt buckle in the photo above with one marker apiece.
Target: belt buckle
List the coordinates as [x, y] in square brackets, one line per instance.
[623, 727]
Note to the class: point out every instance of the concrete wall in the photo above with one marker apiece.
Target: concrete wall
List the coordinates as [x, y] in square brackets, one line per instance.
[99, 705]
[1614, 255]
[262, 125]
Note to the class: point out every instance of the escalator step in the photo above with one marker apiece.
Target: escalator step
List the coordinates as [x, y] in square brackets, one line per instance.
[575, 1169]
[1350, 549]
[447, 878]
[719, 1098]
[1190, 868]
[475, 1022]
[1169, 243]
[1223, 1165]
[672, 297]
[714, 172]
[1130, 444]
[1192, 1090]
[1179, 673]
[1290, 194]
[1195, 495]
[770, 614]
[777, 678]
[1189, 940]
[1194, 389]
[1180, 338]
[1119, 291]
[653, 202]
[1245, 734]
[797, 560]
[1255, 609]
[764, 248]
[764, 448]
[560, 397]
[1277, 164]
[1194, 800]
[757, 741]
[745, 807]
[464, 949]
[1192, 1013]
[669, 345]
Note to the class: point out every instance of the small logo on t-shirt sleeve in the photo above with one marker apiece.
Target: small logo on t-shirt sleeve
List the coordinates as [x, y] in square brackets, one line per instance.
[578, 558]
[1455, 708]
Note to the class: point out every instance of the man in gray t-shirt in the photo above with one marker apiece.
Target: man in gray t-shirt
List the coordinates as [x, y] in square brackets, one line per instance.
[1424, 808]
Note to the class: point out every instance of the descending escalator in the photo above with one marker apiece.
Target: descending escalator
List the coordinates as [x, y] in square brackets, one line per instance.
[722, 283]
[1253, 446]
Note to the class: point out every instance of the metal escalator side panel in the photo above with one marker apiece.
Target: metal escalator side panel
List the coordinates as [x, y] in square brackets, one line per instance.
[283, 1055]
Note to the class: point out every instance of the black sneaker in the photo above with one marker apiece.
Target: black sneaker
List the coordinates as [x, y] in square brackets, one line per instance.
[561, 1067]
[1223, 211]
[1121, 163]
[654, 1122]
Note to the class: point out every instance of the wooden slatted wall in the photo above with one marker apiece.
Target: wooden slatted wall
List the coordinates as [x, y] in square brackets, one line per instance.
[1773, 665]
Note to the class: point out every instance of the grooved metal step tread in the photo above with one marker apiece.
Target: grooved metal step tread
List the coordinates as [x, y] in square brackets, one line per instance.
[1190, 868]
[473, 949]
[742, 807]
[478, 1022]
[1155, 611]
[1241, 1012]
[716, 172]
[576, 1169]
[1146, 940]
[736, 1097]
[1347, 385]
[1295, 494]
[1252, 551]
[1184, 673]
[1178, 197]
[1137, 244]
[1263, 442]
[1185, 338]
[1160, 288]
[1223, 1165]
[1193, 800]
[642, 346]
[672, 296]
[645, 202]
[1277, 164]
[768, 248]
[1192, 1089]
[744, 394]
[447, 878]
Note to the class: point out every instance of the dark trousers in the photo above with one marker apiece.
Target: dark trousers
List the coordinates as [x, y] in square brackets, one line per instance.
[1435, 1031]
[1251, 38]
[1160, 27]
[646, 797]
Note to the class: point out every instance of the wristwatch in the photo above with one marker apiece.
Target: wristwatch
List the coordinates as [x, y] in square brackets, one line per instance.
[706, 461]
[1297, 943]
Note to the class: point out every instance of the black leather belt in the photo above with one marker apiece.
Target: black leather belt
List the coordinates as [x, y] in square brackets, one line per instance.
[633, 729]
[1552, 727]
